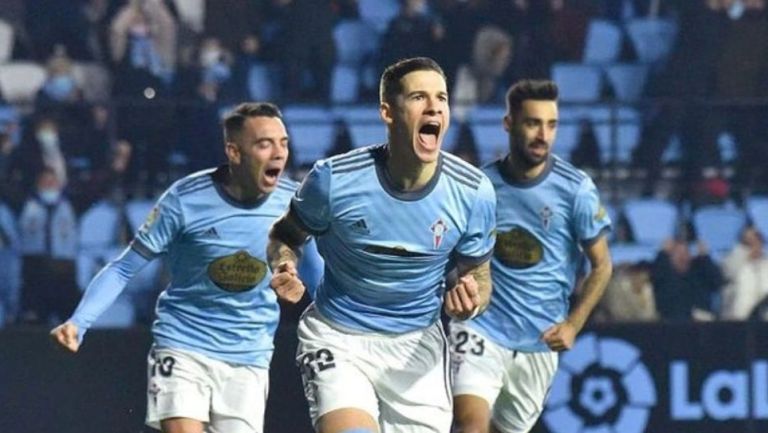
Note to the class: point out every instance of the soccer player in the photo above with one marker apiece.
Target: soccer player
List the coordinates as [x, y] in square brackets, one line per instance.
[548, 214]
[388, 220]
[213, 337]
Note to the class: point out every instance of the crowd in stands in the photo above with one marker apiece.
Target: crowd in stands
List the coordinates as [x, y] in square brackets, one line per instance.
[103, 103]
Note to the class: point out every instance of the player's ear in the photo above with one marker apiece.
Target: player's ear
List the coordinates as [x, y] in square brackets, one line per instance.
[233, 152]
[507, 122]
[385, 111]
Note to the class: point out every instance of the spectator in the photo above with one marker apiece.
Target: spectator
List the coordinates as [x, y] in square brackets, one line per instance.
[41, 147]
[684, 285]
[48, 229]
[746, 272]
[60, 86]
[629, 296]
[10, 266]
[413, 32]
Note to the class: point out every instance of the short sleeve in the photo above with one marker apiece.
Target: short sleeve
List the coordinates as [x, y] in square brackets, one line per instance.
[591, 220]
[311, 203]
[161, 227]
[476, 244]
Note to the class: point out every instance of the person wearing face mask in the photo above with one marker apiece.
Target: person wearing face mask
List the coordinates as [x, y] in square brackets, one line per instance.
[49, 242]
[41, 147]
[60, 86]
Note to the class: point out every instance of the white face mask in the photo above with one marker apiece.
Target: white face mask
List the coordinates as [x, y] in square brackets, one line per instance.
[49, 195]
[48, 138]
[736, 10]
[210, 57]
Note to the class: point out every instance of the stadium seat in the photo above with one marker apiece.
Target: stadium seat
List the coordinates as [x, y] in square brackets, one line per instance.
[20, 81]
[569, 129]
[652, 38]
[632, 253]
[757, 206]
[603, 42]
[6, 41]
[378, 12]
[260, 85]
[363, 123]
[100, 227]
[653, 221]
[491, 141]
[627, 124]
[94, 79]
[578, 82]
[627, 80]
[312, 132]
[355, 43]
[345, 84]
[719, 227]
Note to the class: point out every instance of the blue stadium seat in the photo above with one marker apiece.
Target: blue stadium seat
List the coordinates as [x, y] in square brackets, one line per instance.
[345, 84]
[100, 227]
[260, 85]
[632, 253]
[719, 227]
[491, 141]
[757, 206]
[627, 124]
[652, 38]
[355, 42]
[378, 12]
[627, 80]
[603, 42]
[311, 130]
[653, 221]
[578, 82]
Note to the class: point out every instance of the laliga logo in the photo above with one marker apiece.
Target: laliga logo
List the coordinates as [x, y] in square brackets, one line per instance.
[601, 386]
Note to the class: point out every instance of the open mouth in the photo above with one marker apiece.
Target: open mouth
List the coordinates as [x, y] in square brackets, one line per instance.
[428, 133]
[272, 173]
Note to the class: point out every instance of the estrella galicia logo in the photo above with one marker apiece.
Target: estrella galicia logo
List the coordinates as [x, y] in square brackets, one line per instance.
[601, 386]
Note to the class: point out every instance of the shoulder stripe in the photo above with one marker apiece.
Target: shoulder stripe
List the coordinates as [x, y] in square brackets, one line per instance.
[463, 171]
[568, 175]
[456, 173]
[351, 167]
[568, 167]
[191, 183]
[287, 183]
[352, 160]
[196, 188]
[457, 162]
[462, 179]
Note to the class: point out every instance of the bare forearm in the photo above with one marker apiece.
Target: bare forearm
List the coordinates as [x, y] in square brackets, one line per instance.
[482, 274]
[279, 252]
[286, 240]
[591, 292]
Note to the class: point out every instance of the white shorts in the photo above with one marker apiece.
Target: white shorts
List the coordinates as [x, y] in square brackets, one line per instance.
[400, 380]
[515, 384]
[228, 397]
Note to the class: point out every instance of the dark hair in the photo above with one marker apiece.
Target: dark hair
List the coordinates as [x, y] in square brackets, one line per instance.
[234, 120]
[390, 85]
[523, 90]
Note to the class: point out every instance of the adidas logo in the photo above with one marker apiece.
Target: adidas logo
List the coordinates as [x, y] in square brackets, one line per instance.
[360, 227]
[211, 233]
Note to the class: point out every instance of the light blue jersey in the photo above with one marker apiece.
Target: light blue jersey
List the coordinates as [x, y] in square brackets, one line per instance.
[541, 226]
[219, 302]
[386, 251]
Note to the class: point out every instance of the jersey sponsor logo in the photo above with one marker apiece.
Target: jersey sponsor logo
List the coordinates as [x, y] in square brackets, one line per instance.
[601, 385]
[238, 272]
[150, 221]
[518, 248]
[438, 229]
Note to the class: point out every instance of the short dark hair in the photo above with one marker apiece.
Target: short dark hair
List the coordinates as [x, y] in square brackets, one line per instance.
[523, 90]
[234, 120]
[390, 85]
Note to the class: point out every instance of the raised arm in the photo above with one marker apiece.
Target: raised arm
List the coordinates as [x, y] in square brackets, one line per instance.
[286, 240]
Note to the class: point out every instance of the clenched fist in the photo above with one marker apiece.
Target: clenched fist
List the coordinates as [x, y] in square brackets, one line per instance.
[65, 335]
[463, 300]
[286, 283]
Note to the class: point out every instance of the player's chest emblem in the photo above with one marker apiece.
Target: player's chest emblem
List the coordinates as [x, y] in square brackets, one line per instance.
[237, 272]
[546, 215]
[438, 229]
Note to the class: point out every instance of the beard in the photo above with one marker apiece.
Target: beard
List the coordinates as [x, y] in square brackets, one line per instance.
[526, 159]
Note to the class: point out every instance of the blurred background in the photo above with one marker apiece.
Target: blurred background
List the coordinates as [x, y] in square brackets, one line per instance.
[104, 103]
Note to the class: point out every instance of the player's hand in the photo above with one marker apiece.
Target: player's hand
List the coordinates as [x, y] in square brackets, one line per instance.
[286, 283]
[65, 335]
[463, 300]
[559, 337]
